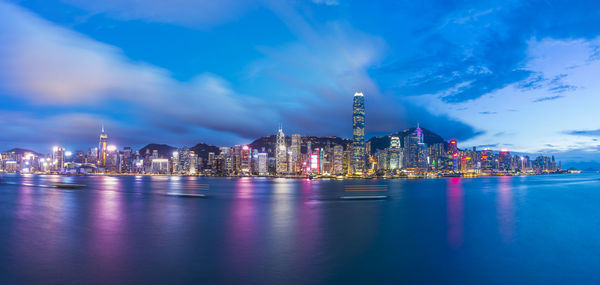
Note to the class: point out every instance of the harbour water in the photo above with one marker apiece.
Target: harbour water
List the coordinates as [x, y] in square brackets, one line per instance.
[127, 230]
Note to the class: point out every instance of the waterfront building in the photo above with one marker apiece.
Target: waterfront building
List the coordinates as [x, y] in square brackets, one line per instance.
[281, 153]
[126, 160]
[58, 158]
[102, 148]
[296, 153]
[262, 164]
[210, 160]
[395, 154]
[504, 160]
[112, 159]
[338, 160]
[159, 166]
[358, 133]
[315, 162]
[415, 151]
[245, 160]
[383, 163]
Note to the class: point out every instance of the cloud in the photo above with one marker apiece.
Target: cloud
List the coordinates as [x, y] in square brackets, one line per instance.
[488, 146]
[306, 84]
[488, 113]
[327, 2]
[50, 66]
[562, 88]
[593, 133]
[549, 98]
[320, 72]
[534, 81]
[199, 13]
[484, 44]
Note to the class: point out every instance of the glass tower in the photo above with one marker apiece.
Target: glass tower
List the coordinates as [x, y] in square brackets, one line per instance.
[358, 133]
[102, 148]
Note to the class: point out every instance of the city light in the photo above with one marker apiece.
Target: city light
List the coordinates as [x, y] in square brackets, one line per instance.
[410, 153]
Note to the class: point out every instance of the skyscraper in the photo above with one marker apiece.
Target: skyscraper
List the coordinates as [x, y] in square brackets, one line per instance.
[295, 158]
[280, 153]
[395, 153]
[358, 133]
[102, 148]
[415, 150]
[338, 159]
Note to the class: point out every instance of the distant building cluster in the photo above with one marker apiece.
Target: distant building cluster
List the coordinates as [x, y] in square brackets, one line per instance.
[295, 155]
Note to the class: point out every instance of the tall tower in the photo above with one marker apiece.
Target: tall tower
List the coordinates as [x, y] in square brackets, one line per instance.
[295, 161]
[358, 133]
[102, 148]
[280, 153]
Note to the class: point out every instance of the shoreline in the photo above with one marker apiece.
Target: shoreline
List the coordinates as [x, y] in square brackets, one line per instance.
[458, 175]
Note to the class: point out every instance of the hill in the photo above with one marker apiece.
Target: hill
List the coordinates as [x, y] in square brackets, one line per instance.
[22, 151]
[382, 142]
[203, 149]
[164, 150]
[267, 144]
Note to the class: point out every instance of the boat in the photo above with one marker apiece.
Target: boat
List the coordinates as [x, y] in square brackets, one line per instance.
[68, 185]
[187, 195]
[365, 197]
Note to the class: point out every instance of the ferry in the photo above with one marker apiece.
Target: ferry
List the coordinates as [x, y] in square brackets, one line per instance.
[68, 185]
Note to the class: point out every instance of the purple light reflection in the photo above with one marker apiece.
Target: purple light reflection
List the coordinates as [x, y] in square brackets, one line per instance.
[107, 230]
[242, 231]
[454, 198]
[505, 207]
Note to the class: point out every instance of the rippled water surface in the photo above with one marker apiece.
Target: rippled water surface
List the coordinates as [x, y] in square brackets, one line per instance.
[127, 230]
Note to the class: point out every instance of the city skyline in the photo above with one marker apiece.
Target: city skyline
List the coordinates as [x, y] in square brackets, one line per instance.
[489, 74]
[402, 154]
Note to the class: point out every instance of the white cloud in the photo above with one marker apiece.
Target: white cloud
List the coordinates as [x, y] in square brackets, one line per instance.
[535, 116]
[47, 65]
[327, 2]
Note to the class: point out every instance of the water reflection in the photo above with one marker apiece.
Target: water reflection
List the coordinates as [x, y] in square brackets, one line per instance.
[454, 198]
[505, 208]
[108, 244]
[242, 231]
[267, 231]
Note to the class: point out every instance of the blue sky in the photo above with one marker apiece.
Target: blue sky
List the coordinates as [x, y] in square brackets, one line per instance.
[520, 75]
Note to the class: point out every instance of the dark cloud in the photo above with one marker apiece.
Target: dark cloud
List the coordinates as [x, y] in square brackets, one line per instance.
[558, 79]
[562, 88]
[549, 98]
[488, 146]
[592, 133]
[487, 113]
[535, 81]
[477, 55]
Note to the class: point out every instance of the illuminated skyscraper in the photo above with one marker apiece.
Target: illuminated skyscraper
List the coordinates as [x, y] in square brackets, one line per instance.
[262, 164]
[58, 158]
[295, 158]
[338, 159]
[415, 150]
[102, 148]
[280, 153]
[358, 133]
[395, 155]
